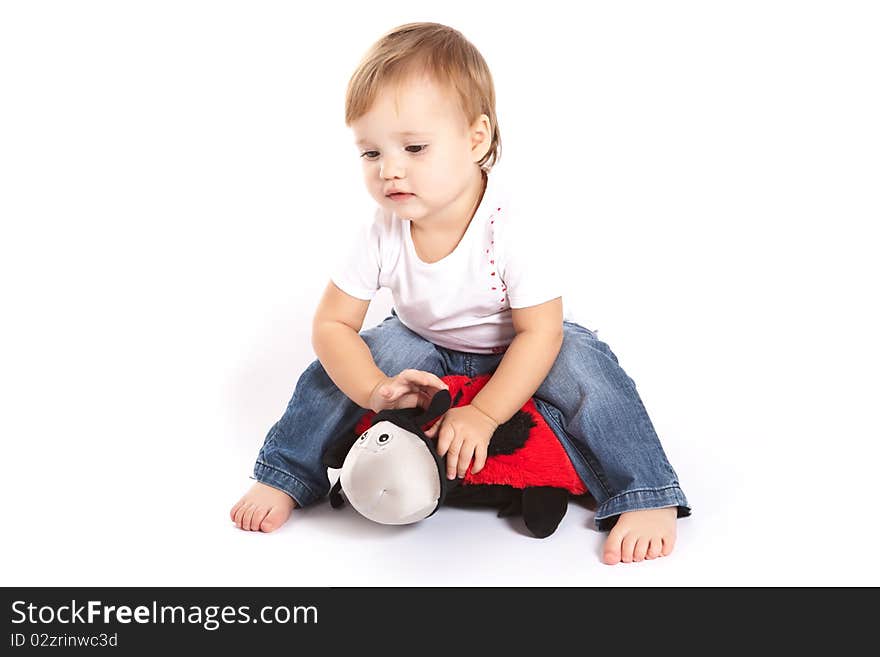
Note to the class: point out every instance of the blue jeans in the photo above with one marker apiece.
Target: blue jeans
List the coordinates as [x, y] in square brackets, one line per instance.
[587, 399]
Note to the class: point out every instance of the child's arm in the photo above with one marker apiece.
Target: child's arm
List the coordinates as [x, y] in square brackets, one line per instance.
[526, 363]
[343, 353]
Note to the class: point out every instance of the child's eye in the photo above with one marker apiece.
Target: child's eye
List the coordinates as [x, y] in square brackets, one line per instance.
[370, 155]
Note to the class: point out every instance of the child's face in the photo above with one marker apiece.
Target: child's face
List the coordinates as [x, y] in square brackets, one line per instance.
[438, 164]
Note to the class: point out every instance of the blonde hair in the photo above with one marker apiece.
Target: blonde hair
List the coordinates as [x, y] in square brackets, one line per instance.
[438, 51]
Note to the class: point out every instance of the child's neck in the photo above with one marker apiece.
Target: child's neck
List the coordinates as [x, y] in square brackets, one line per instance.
[453, 226]
[436, 241]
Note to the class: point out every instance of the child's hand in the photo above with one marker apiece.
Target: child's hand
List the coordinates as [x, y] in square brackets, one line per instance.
[409, 389]
[465, 432]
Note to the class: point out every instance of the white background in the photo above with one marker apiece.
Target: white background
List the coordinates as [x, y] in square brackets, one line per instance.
[175, 179]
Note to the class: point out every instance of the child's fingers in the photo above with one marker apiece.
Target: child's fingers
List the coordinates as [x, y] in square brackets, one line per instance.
[391, 391]
[445, 438]
[395, 390]
[480, 455]
[409, 400]
[426, 397]
[422, 378]
[464, 458]
[452, 459]
[433, 381]
[401, 384]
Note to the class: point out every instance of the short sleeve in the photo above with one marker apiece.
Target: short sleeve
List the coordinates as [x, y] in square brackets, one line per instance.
[357, 272]
[529, 266]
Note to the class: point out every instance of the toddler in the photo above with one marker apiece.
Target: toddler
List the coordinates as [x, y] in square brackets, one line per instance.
[473, 293]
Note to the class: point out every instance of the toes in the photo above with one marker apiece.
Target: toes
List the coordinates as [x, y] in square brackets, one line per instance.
[611, 552]
[262, 509]
[259, 513]
[654, 550]
[273, 520]
[641, 548]
[246, 517]
[627, 547]
[239, 514]
[668, 544]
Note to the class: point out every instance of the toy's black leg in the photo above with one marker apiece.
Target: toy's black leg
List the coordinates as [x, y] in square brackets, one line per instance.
[336, 495]
[513, 506]
[543, 508]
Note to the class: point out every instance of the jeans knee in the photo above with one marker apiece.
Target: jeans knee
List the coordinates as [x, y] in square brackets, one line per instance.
[313, 377]
[314, 369]
[587, 365]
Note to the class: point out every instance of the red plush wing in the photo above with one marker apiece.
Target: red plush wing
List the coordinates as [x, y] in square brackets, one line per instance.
[541, 461]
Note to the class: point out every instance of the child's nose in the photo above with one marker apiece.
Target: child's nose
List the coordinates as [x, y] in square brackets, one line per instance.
[391, 168]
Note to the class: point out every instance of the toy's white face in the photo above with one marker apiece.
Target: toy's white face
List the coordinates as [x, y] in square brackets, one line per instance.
[380, 439]
[390, 476]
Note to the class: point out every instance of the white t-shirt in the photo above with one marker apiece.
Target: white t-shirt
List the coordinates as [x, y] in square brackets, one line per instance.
[462, 301]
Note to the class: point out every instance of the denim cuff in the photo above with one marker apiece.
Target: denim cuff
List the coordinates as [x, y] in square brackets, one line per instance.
[635, 500]
[300, 492]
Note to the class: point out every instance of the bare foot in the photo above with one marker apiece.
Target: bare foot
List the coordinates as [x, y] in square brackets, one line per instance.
[641, 535]
[262, 508]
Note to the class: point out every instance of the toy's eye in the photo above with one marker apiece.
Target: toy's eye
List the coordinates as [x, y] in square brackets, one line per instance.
[384, 438]
[364, 436]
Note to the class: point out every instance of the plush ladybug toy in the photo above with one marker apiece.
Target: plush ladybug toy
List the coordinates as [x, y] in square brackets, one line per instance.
[391, 473]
